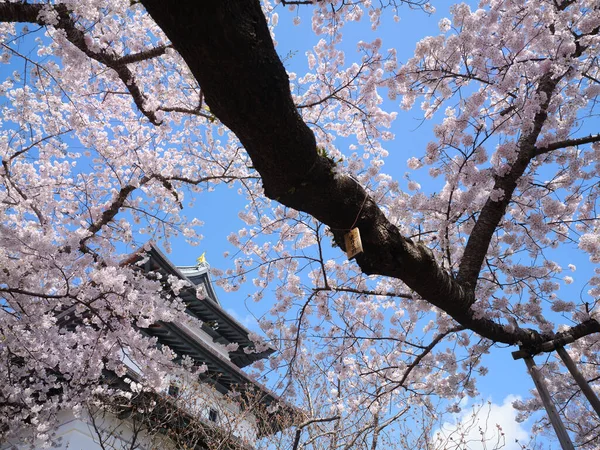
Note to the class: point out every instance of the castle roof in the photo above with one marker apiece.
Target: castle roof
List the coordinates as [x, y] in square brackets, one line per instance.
[217, 323]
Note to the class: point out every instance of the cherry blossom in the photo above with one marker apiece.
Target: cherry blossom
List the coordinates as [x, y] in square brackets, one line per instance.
[108, 137]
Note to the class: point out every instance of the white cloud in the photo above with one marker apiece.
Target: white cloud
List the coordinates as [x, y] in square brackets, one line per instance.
[483, 427]
[248, 320]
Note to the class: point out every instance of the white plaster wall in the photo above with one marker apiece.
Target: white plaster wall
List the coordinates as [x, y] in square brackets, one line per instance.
[78, 433]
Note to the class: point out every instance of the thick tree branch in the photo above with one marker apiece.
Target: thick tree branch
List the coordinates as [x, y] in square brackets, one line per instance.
[228, 48]
[195, 112]
[10, 290]
[21, 12]
[493, 211]
[567, 143]
[144, 55]
[560, 339]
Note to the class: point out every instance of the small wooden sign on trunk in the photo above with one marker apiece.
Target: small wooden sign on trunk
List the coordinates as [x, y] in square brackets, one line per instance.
[353, 243]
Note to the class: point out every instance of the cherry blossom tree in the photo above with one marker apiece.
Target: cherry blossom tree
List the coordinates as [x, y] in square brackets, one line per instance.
[116, 114]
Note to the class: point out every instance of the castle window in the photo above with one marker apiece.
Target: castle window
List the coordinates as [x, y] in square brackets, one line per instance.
[173, 391]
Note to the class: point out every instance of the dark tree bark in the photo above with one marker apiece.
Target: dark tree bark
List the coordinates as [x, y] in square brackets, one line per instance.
[227, 45]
